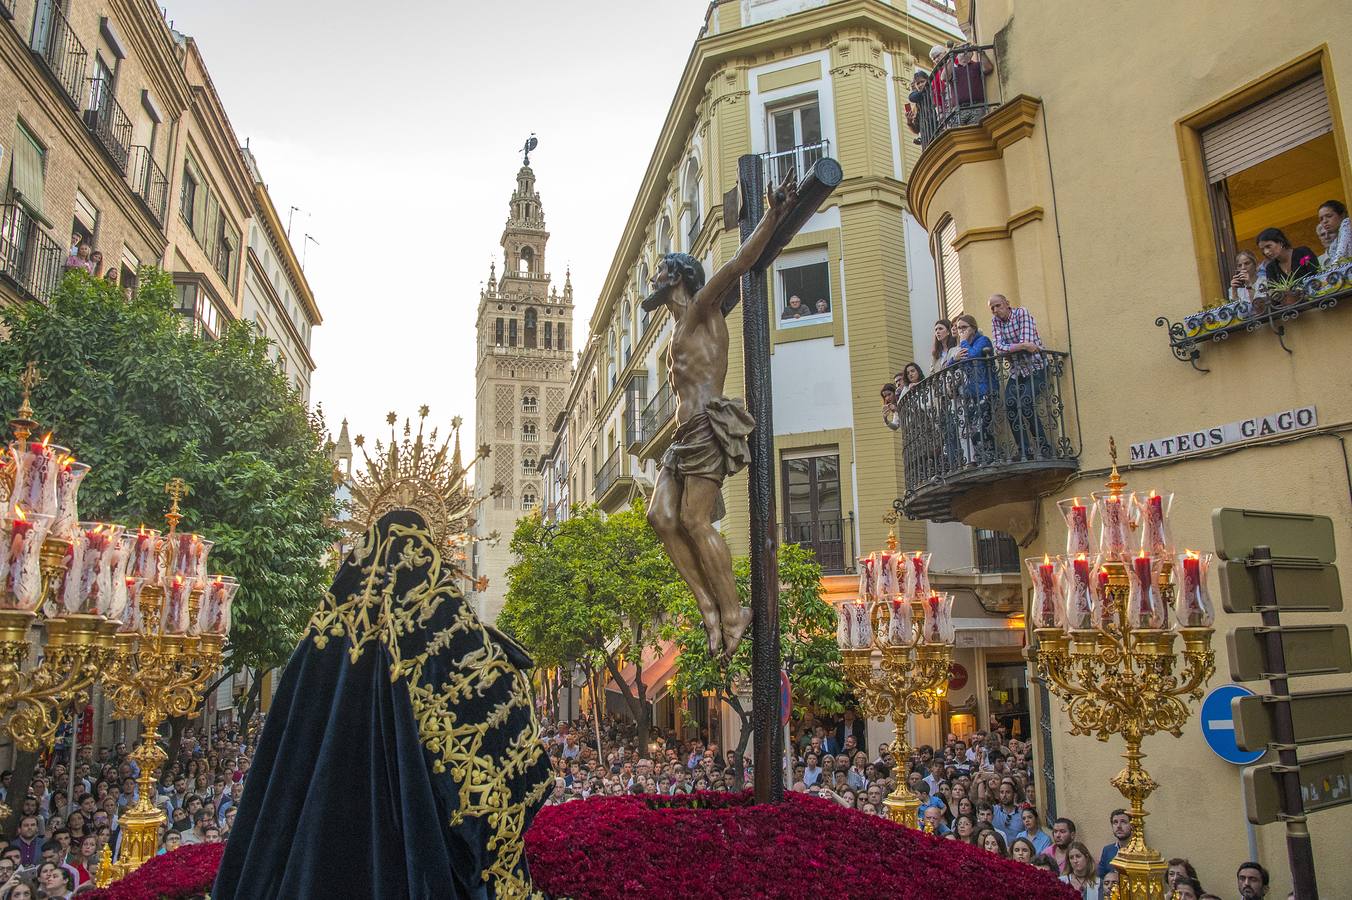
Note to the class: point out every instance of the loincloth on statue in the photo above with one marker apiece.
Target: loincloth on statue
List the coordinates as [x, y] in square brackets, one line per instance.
[712, 444]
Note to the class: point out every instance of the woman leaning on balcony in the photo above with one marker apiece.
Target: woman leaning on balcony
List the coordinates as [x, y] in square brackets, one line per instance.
[1333, 217]
[1248, 281]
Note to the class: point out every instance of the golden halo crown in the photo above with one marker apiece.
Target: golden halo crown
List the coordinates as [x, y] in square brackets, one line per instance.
[415, 472]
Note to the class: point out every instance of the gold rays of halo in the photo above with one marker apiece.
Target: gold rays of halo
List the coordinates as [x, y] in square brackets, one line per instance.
[416, 472]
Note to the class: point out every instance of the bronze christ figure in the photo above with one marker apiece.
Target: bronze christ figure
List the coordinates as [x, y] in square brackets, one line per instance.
[710, 442]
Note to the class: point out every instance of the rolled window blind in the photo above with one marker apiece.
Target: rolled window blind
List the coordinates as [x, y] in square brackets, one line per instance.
[1287, 119]
[950, 277]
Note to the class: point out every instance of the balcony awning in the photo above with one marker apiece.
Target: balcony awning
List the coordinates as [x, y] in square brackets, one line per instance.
[658, 668]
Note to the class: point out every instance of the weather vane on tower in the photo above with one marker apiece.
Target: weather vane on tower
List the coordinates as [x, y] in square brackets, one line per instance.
[531, 144]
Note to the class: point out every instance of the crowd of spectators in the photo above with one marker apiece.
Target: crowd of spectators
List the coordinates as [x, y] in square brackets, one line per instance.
[979, 790]
[61, 836]
[1283, 264]
[82, 256]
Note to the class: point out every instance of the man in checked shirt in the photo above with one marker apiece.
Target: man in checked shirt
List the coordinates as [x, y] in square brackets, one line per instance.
[1014, 331]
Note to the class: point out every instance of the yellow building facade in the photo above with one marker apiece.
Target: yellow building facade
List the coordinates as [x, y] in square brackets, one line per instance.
[791, 81]
[1110, 190]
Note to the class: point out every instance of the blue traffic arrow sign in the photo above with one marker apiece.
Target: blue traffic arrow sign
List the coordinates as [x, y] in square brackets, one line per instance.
[1218, 725]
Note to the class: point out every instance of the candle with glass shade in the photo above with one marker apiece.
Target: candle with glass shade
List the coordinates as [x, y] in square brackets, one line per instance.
[1104, 643]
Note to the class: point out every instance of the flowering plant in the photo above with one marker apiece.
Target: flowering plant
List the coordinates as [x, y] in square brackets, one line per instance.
[721, 845]
[181, 874]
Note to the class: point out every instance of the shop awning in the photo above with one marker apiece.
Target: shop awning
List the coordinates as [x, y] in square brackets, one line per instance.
[658, 667]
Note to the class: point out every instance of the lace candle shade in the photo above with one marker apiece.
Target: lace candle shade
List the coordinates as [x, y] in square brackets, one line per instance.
[174, 616]
[1193, 607]
[1078, 517]
[939, 627]
[900, 625]
[861, 628]
[917, 577]
[89, 581]
[1152, 516]
[217, 601]
[36, 469]
[868, 577]
[1145, 604]
[143, 555]
[1047, 609]
[70, 475]
[1078, 576]
[1114, 513]
[887, 575]
[116, 606]
[22, 577]
[844, 638]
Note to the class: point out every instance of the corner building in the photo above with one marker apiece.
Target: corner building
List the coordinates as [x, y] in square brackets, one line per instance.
[792, 82]
[521, 379]
[1109, 189]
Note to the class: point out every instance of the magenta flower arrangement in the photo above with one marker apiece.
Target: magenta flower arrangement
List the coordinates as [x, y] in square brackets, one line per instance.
[717, 845]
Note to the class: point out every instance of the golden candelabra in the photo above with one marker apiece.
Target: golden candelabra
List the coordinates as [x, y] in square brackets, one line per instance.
[910, 627]
[1105, 647]
[158, 670]
[34, 558]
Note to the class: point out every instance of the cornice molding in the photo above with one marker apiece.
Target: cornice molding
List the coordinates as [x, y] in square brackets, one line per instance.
[986, 140]
[998, 232]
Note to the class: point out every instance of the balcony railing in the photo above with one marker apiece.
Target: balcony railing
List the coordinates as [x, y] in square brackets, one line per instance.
[29, 257]
[657, 413]
[830, 539]
[607, 475]
[798, 159]
[957, 93]
[107, 122]
[981, 421]
[59, 49]
[996, 552]
[149, 182]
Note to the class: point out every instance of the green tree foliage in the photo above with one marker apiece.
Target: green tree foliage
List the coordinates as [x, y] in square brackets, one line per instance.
[807, 641]
[592, 590]
[141, 399]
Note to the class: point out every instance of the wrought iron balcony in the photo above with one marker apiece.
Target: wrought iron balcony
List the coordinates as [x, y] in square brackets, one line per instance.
[956, 94]
[657, 413]
[29, 257]
[108, 123]
[149, 182]
[832, 540]
[55, 43]
[609, 477]
[798, 159]
[986, 431]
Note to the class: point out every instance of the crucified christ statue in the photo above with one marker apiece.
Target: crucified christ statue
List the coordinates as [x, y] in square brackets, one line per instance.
[710, 442]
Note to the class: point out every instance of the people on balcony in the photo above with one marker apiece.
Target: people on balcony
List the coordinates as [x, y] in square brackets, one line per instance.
[945, 346]
[1333, 217]
[920, 114]
[1283, 260]
[980, 386]
[1248, 281]
[96, 263]
[79, 259]
[891, 418]
[1014, 331]
[967, 75]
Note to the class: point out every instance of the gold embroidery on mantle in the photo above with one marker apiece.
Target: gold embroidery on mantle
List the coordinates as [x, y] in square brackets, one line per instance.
[484, 782]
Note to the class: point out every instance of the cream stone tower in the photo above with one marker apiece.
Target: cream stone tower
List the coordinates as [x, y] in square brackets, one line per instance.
[524, 367]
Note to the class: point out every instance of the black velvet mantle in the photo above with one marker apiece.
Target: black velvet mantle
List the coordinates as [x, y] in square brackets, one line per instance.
[401, 755]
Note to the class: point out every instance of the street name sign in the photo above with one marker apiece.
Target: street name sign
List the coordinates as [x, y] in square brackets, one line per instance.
[1308, 649]
[1316, 716]
[1325, 782]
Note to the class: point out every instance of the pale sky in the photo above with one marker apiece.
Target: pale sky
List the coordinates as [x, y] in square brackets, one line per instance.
[395, 128]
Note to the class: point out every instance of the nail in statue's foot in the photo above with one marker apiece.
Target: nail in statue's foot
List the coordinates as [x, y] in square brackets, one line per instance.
[733, 631]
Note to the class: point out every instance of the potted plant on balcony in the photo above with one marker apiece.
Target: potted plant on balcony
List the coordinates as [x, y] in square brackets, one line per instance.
[1286, 291]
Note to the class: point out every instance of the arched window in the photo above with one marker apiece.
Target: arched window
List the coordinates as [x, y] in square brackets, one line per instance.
[528, 463]
[694, 215]
[529, 433]
[528, 500]
[497, 332]
[549, 335]
[530, 329]
[511, 333]
[664, 236]
[529, 401]
[527, 261]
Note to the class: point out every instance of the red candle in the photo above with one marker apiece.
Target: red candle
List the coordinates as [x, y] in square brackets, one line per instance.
[1079, 528]
[1192, 573]
[1142, 564]
[1047, 572]
[1081, 567]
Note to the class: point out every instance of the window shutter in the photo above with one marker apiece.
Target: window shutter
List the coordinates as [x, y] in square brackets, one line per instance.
[1285, 120]
[26, 172]
[950, 276]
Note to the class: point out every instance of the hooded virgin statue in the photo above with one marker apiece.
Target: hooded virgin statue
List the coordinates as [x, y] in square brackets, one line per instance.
[401, 757]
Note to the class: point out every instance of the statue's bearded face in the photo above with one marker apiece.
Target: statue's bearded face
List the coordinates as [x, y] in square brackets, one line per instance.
[667, 287]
